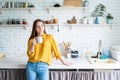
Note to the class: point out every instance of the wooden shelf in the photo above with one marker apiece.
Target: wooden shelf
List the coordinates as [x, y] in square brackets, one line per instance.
[67, 8]
[29, 9]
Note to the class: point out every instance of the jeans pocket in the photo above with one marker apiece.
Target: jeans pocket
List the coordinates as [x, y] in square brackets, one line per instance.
[44, 66]
[30, 64]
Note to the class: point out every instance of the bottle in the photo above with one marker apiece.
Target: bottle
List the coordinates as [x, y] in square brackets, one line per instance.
[90, 21]
[96, 20]
[99, 54]
[86, 3]
[12, 5]
[84, 20]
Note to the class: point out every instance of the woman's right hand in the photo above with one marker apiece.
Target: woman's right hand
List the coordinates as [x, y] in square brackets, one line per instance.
[33, 44]
[34, 41]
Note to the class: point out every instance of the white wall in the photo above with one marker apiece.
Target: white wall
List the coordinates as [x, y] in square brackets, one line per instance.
[83, 38]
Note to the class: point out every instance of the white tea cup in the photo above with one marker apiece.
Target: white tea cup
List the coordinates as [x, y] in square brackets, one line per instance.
[39, 39]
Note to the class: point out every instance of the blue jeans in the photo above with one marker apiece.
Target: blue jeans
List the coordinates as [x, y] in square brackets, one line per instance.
[37, 71]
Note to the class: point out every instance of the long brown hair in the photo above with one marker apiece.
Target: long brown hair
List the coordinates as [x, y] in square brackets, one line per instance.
[34, 33]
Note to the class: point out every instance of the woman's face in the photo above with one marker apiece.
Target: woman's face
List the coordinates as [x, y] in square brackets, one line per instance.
[39, 27]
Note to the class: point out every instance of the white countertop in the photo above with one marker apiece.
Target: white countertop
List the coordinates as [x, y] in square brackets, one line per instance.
[20, 62]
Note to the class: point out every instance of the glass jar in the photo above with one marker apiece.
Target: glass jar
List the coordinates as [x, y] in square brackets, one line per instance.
[24, 22]
[13, 21]
[0, 5]
[86, 3]
[84, 20]
[8, 21]
[18, 21]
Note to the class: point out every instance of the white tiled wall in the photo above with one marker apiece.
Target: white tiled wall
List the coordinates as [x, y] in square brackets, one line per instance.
[83, 38]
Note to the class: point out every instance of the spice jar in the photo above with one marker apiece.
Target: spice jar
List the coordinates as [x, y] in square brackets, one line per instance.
[25, 4]
[24, 22]
[84, 20]
[13, 21]
[18, 21]
[55, 21]
[48, 21]
[86, 3]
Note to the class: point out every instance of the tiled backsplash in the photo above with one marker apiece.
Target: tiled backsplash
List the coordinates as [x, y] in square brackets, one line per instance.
[83, 38]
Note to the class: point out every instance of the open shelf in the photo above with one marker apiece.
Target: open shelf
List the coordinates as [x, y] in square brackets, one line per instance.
[53, 26]
[13, 25]
[89, 24]
[67, 8]
[29, 9]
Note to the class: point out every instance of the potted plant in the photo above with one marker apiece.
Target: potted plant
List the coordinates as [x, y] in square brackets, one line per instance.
[100, 10]
[109, 18]
[99, 13]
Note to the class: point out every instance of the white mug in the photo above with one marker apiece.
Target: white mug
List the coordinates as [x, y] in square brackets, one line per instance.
[84, 20]
[39, 39]
[90, 21]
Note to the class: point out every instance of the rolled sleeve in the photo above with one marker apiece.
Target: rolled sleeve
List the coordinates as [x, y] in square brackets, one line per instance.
[28, 49]
[55, 48]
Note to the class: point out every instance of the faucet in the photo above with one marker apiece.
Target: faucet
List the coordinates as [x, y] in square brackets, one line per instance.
[99, 53]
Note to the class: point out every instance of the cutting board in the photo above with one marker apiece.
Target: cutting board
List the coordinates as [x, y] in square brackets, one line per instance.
[73, 3]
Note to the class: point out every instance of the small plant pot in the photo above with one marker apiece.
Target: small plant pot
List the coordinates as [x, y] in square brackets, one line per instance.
[109, 21]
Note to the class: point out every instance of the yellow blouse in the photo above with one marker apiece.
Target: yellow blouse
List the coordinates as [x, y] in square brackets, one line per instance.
[43, 51]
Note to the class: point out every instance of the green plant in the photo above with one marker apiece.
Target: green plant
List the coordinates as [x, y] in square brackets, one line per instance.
[100, 10]
[109, 16]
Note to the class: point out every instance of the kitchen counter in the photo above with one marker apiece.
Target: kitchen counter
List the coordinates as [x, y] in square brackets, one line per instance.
[14, 68]
[19, 62]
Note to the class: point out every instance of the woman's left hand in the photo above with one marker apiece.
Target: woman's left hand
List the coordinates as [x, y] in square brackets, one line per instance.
[67, 63]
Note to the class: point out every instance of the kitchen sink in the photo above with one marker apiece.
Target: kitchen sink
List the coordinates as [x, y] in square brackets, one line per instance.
[101, 61]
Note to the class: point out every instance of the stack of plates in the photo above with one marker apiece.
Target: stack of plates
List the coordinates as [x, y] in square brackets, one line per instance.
[115, 51]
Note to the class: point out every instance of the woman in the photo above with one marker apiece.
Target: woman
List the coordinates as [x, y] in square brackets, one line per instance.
[40, 54]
